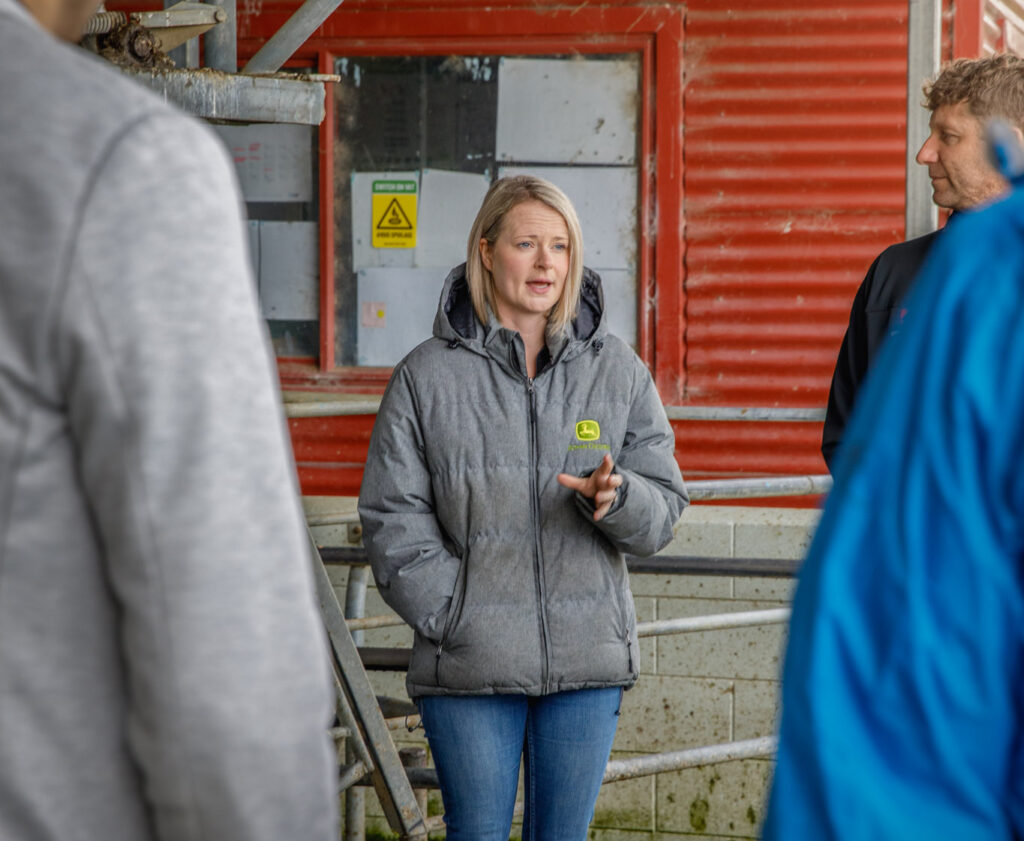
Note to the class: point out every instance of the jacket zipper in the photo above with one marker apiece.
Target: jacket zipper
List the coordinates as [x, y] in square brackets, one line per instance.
[538, 566]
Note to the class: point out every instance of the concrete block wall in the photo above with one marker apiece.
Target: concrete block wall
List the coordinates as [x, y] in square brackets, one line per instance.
[694, 689]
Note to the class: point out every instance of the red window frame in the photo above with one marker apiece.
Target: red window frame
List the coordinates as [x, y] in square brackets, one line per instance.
[654, 32]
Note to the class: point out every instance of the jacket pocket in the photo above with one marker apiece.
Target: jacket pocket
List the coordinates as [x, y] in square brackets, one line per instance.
[629, 636]
[454, 614]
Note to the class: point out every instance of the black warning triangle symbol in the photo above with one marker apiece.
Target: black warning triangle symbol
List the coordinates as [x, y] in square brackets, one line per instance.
[394, 218]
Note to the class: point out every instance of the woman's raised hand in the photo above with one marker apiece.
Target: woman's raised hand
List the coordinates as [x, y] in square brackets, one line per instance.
[602, 486]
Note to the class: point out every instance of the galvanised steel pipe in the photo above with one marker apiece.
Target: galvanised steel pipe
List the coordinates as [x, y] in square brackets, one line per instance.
[704, 489]
[713, 622]
[220, 44]
[331, 408]
[642, 766]
[701, 489]
[292, 35]
[369, 406]
[367, 623]
[710, 622]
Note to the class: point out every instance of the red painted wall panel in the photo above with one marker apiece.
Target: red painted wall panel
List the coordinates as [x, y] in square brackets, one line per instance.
[793, 121]
[793, 182]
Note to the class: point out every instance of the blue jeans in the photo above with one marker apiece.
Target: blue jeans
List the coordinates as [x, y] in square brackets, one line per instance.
[477, 742]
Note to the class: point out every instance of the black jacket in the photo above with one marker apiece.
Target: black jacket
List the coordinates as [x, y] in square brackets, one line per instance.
[874, 315]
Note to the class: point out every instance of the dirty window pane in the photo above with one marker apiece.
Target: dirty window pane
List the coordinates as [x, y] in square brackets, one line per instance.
[276, 165]
[437, 130]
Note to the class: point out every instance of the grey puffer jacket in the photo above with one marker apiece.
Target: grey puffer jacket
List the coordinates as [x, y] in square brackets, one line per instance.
[509, 584]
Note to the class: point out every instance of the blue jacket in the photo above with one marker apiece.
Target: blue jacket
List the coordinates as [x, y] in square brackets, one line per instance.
[903, 688]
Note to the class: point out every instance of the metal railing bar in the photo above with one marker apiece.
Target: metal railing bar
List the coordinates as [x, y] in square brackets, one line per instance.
[705, 489]
[642, 766]
[700, 565]
[709, 622]
[331, 408]
[369, 406]
[713, 622]
[659, 564]
[700, 489]
[366, 623]
[731, 413]
[403, 722]
[370, 623]
[351, 775]
[332, 519]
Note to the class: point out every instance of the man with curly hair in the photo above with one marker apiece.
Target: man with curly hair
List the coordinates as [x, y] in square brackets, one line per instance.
[962, 98]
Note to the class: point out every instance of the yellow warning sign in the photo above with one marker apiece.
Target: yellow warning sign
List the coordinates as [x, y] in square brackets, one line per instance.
[394, 214]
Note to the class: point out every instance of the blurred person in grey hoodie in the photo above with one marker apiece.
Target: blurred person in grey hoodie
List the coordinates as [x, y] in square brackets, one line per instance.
[163, 672]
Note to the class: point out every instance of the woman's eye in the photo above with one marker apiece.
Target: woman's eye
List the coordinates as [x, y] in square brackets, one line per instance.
[524, 244]
[560, 246]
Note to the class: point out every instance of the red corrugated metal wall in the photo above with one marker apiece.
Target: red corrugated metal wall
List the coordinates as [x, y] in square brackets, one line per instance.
[793, 182]
[794, 119]
[794, 122]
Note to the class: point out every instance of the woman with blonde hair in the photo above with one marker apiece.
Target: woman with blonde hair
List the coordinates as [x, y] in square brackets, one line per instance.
[518, 455]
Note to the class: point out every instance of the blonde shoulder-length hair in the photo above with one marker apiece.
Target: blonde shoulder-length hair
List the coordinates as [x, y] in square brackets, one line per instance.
[504, 194]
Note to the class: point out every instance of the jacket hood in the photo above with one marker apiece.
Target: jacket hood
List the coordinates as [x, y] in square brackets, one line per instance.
[456, 321]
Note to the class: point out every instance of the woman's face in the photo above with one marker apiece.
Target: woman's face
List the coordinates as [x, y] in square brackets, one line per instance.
[529, 262]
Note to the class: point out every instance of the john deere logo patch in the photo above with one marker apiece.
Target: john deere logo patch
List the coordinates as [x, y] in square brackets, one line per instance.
[588, 430]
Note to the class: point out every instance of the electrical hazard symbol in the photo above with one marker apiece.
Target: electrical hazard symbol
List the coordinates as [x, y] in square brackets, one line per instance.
[394, 214]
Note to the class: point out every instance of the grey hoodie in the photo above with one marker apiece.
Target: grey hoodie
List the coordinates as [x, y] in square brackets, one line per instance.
[509, 584]
[163, 668]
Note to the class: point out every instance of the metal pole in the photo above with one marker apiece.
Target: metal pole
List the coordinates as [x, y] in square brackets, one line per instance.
[416, 757]
[713, 622]
[642, 766]
[369, 406]
[729, 413]
[358, 624]
[331, 408]
[924, 28]
[220, 44]
[187, 55]
[355, 798]
[332, 519]
[659, 564]
[292, 35]
[769, 486]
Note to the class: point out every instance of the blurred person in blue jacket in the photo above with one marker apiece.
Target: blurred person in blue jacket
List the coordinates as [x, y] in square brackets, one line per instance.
[903, 687]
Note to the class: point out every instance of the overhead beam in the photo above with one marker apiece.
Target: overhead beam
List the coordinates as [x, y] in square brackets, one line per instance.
[250, 99]
[292, 35]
